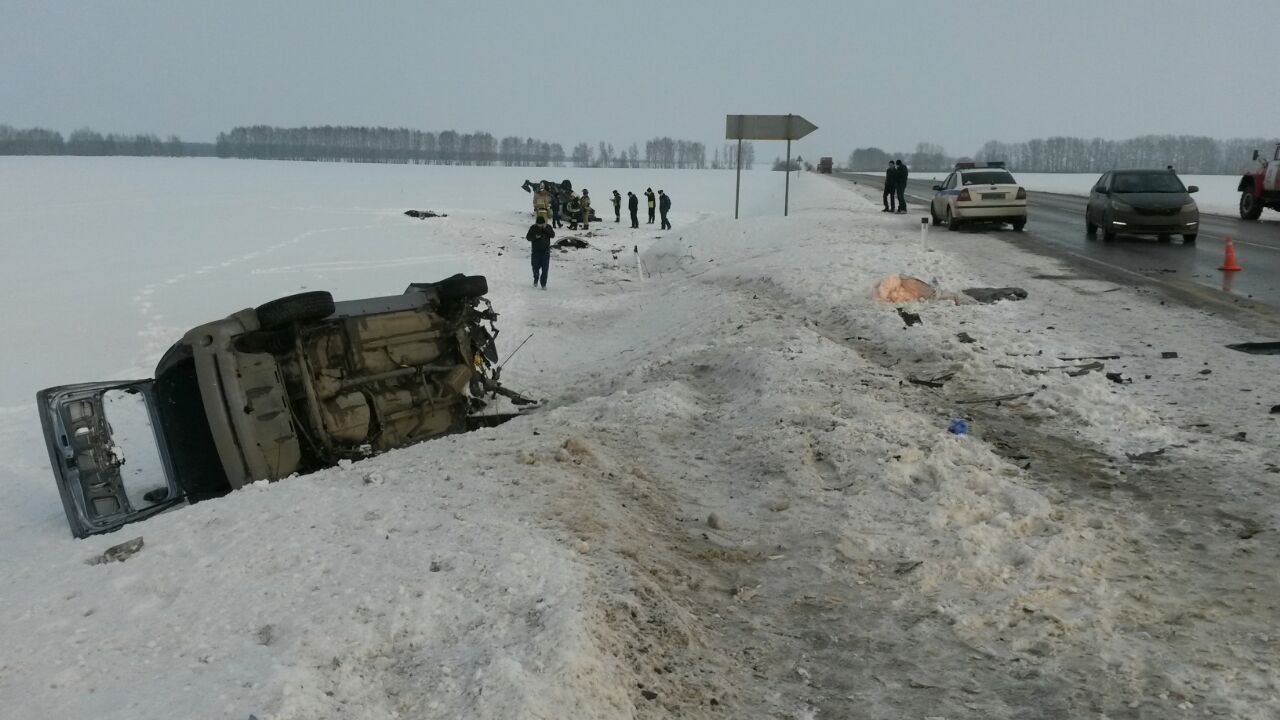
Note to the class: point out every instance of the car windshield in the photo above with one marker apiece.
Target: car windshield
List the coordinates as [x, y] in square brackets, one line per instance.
[1155, 182]
[988, 177]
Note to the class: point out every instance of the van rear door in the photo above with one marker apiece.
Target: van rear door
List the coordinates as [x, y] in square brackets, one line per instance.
[109, 459]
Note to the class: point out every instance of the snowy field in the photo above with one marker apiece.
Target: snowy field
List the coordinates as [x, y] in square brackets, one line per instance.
[1217, 193]
[737, 501]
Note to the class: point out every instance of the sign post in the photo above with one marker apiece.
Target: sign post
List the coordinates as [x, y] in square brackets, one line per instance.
[765, 127]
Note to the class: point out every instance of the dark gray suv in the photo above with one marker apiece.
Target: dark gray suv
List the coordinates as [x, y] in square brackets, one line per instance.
[1142, 202]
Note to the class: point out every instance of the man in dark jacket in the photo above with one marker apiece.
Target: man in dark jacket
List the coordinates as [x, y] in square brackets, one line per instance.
[555, 209]
[617, 207]
[539, 237]
[648, 193]
[902, 187]
[890, 188]
[664, 206]
[633, 204]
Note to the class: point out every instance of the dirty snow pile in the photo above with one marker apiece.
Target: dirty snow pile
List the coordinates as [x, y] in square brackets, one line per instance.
[739, 499]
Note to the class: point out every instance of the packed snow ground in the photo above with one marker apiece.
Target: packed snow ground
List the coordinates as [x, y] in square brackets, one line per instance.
[734, 503]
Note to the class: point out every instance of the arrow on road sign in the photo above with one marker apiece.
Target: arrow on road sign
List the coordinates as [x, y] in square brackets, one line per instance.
[766, 127]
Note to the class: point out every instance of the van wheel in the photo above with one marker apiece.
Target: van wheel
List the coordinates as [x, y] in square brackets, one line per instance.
[1250, 206]
[952, 222]
[302, 307]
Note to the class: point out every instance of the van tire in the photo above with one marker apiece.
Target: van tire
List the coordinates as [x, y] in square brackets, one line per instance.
[302, 307]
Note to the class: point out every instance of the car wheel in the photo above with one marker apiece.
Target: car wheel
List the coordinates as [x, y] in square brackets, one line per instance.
[1189, 239]
[1250, 206]
[275, 342]
[295, 308]
[1089, 228]
[1019, 224]
[934, 216]
[462, 286]
[1108, 236]
[952, 222]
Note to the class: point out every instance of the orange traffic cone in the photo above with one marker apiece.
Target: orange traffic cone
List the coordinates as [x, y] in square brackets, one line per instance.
[1229, 260]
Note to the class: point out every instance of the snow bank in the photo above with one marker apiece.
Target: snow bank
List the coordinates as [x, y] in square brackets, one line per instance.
[735, 503]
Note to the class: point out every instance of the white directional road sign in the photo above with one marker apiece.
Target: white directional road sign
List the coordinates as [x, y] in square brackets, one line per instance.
[766, 127]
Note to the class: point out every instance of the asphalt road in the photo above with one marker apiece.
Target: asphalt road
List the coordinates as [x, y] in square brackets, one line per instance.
[1055, 226]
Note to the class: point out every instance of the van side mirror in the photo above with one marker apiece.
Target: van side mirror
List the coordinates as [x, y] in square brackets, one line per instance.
[1193, 189]
[937, 187]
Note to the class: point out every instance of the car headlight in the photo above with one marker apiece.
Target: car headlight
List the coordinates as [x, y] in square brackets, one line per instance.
[1189, 207]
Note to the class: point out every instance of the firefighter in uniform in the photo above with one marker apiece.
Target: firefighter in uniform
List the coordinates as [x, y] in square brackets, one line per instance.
[585, 205]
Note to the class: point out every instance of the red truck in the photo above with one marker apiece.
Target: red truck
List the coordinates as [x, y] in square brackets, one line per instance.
[824, 165]
[1260, 187]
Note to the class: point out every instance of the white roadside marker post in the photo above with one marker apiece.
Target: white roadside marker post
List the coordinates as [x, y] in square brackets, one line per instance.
[924, 232]
[639, 265]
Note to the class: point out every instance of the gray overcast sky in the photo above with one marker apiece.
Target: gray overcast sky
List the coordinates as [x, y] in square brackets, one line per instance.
[889, 73]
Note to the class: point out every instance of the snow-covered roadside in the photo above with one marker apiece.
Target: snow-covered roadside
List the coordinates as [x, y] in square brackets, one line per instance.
[860, 559]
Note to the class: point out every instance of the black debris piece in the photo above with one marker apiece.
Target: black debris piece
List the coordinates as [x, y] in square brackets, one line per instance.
[909, 318]
[1257, 348]
[423, 214]
[1091, 357]
[571, 242]
[1146, 458]
[990, 295]
[1168, 355]
[1205, 371]
[1116, 377]
[965, 338]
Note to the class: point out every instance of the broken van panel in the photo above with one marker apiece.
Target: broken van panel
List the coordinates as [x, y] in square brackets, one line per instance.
[292, 386]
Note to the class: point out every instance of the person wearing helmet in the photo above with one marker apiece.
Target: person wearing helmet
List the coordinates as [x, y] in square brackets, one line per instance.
[584, 205]
[541, 202]
[617, 207]
[648, 193]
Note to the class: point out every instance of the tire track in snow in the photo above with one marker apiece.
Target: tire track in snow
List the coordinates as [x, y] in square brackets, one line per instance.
[157, 334]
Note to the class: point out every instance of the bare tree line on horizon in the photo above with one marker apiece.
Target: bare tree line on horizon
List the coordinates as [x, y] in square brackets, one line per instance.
[330, 143]
[1191, 154]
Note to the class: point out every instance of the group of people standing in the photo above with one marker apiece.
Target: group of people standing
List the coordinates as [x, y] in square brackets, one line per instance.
[662, 200]
[895, 187]
[548, 208]
[577, 208]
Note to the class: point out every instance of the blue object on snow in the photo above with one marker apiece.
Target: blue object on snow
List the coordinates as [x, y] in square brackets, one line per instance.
[958, 427]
